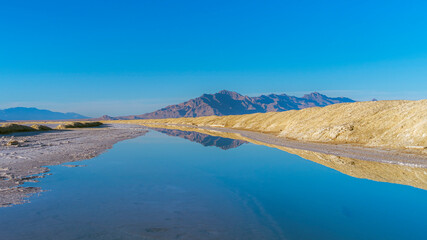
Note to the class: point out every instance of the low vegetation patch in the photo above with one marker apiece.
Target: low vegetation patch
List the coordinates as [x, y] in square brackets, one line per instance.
[79, 125]
[41, 127]
[11, 128]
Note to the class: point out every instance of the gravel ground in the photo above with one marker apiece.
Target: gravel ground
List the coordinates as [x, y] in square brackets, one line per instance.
[25, 162]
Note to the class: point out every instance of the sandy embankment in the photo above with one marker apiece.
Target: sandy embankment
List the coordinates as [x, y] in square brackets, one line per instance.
[383, 141]
[395, 125]
[38, 149]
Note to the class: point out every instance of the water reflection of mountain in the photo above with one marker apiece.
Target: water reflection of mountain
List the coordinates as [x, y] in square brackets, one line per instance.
[204, 139]
[376, 171]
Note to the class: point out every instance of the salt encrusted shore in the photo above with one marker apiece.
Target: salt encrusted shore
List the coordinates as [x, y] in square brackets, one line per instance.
[27, 161]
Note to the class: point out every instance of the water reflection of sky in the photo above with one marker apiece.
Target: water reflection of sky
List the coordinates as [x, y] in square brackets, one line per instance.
[161, 187]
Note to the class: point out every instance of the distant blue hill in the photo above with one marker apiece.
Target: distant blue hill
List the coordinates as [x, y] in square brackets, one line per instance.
[23, 113]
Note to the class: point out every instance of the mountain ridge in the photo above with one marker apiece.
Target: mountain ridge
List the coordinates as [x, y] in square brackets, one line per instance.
[227, 102]
[32, 113]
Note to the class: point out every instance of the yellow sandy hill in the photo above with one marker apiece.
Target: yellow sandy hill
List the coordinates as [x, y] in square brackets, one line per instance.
[390, 124]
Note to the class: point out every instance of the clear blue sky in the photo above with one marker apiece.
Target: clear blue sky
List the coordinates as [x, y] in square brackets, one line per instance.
[128, 57]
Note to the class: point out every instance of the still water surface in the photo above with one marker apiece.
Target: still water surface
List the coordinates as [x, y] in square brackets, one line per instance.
[164, 187]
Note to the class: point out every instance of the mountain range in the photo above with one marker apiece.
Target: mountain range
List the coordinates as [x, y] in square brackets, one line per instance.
[232, 103]
[220, 104]
[23, 113]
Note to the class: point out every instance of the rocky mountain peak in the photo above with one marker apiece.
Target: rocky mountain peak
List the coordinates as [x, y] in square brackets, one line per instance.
[314, 95]
[233, 95]
[227, 102]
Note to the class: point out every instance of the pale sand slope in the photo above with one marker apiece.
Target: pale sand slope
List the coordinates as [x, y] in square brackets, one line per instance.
[385, 124]
[377, 171]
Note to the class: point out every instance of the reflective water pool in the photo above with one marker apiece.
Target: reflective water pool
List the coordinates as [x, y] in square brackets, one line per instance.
[163, 187]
